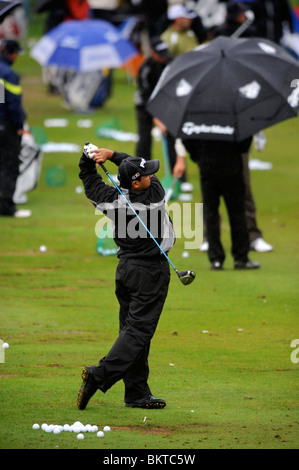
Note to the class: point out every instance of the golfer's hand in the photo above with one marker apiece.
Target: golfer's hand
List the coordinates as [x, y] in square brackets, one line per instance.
[160, 124]
[101, 155]
[97, 155]
[179, 167]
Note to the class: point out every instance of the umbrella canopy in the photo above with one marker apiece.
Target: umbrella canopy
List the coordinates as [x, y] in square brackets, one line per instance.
[84, 46]
[227, 89]
[6, 6]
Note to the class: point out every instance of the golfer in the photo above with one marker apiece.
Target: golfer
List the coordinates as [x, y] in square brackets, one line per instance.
[142, 275]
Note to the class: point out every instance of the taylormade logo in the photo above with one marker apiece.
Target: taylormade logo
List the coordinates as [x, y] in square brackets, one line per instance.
[190, 128]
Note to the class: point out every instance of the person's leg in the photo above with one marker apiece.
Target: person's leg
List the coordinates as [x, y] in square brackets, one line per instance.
[250, 209]
[10, 146]
[211, 198]
[146, 283]
[234, 197]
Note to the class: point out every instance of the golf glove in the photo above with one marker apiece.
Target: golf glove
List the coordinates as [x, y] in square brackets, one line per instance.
[87, 149]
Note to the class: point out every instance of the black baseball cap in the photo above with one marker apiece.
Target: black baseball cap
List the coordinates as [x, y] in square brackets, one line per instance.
[160, 47]
[132, 168]
[11, 46]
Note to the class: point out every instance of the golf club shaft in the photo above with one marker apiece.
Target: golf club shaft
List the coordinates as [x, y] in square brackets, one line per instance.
[135, 213]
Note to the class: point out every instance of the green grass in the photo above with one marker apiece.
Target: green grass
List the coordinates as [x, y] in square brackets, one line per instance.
[233, 387]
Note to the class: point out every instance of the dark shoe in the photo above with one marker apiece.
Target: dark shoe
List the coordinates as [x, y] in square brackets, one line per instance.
[87, 389]
[149, 402]
[247, 264]
[216, 265]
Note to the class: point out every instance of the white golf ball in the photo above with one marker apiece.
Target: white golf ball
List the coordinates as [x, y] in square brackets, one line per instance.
[56, 430]
[35, 426]
[185, 197]
[76, 429]
[80, 436]
[185, 254]
[100, 434]
[94, 428]
[5, 345]
[44, 426]
[77, 423]
[43, 248]
[106, 428]
[66, 427]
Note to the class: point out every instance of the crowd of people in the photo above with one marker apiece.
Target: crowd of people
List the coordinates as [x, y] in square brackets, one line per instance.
[142, 276]
[172, 27]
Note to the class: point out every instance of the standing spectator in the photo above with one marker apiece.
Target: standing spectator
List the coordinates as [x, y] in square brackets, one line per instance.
[221, 174]
[12, 119]
[179, 36]
[270, 16]
[154, 13]
[148, 76]
[63, 10]
[256, 240]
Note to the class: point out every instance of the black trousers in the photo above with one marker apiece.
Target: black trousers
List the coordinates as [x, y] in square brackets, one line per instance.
[10, 146]
[141, 289]
[232, 188]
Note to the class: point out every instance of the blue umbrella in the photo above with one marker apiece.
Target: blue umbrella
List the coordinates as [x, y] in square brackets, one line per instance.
[84, 46]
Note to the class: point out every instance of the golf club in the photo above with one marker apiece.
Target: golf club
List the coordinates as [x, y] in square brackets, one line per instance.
[186, 277]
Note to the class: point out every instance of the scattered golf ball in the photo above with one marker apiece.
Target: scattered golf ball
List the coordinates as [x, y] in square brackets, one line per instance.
[185, 197]
[80, 436]
[79, 189]
[35, 426]
[5, 345]
[100, 434]
[106, 428]
[185, 254]
[56, 430]
[43, 248]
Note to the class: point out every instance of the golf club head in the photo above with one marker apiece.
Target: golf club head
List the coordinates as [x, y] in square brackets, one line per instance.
[186, 277]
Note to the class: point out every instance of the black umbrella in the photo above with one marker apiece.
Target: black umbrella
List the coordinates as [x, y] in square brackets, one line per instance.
[227, 89]
[6, 7]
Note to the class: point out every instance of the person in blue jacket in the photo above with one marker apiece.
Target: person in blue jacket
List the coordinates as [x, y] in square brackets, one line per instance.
[12, 119]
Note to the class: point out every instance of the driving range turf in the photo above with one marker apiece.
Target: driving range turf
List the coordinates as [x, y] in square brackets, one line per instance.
[221, 355]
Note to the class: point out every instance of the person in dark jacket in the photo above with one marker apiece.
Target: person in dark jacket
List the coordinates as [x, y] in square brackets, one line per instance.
[221, 174]
[270, 18]
[148, 77]
[142, 275]
[12, 117]
[236, 17]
